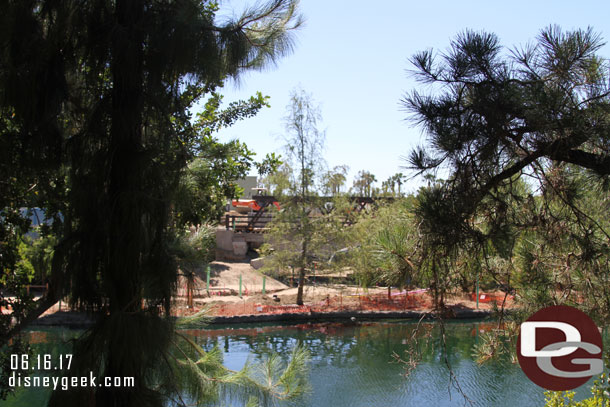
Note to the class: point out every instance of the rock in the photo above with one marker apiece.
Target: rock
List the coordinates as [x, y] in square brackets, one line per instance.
[257, 263]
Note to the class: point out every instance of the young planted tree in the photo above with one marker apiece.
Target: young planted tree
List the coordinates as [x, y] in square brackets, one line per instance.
[295, 230]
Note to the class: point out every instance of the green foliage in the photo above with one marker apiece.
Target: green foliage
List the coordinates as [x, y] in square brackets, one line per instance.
[524, 137]
[194, 248]
[300, 232]
[35, 255]
[278, 182]
[209, 180]
[17, 347]
[391, 186]
[599, 396]
[24, 271]
[333, 180]
[269, 164]
[213, 119]
[96, 126]
[323, 230]
[499, 343]
[385, 246]
[363, 183]
[304, 143]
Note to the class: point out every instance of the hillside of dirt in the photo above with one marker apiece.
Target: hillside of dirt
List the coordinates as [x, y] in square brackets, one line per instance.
[224, 279]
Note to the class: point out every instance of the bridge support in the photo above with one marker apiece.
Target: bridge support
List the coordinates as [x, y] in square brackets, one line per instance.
[234, 246]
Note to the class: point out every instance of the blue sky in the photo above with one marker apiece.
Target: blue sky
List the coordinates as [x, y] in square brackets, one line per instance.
[352, 57]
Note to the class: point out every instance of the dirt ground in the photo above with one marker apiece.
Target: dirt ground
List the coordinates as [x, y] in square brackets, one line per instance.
[319, 296]
[223, 298]
[224, 276]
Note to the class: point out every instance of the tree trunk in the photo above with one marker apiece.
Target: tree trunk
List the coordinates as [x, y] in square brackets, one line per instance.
[301, 284]
[126, 233]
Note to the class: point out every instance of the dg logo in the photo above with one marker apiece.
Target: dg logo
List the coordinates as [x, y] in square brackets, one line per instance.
[560, 348]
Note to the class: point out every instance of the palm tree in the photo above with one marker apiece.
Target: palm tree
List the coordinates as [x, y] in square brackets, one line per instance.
[364, 183]
[396, 181]
[335, 179]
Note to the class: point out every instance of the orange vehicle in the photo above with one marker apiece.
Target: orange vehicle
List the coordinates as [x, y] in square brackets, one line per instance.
[250, 204]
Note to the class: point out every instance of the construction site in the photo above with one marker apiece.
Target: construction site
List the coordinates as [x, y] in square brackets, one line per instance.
[232, 285]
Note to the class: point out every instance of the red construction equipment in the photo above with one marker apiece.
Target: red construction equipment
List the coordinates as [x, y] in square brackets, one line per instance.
[251, 203]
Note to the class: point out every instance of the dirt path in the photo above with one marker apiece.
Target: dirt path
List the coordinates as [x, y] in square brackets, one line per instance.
[224, 278]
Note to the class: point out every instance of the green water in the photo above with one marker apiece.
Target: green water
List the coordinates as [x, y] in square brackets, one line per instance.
[352, 365]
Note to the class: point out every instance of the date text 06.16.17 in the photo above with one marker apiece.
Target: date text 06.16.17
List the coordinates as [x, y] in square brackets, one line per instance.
[45, 362]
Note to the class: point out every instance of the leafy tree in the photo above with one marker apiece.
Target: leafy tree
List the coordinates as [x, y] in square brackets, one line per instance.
[95, 100]
[208, 180]
[278, 182]
[386, 187]
[547, 100]
[268, 165]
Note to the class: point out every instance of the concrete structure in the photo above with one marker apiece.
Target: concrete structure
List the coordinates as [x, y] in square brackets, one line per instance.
[235, 245]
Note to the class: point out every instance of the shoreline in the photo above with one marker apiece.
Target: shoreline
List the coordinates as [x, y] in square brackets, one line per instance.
[75, 319]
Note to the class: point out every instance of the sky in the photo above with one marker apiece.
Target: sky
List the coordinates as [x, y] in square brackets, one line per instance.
[353, 58]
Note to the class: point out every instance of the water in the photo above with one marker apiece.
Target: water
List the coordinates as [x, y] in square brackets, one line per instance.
[352, 365]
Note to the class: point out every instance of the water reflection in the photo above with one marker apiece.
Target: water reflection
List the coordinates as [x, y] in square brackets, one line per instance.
[352, 364]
